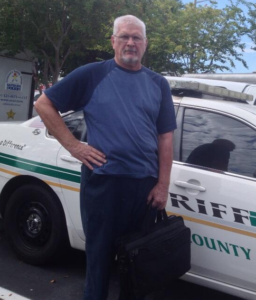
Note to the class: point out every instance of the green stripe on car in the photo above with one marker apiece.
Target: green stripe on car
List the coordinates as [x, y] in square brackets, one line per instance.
[40, 168]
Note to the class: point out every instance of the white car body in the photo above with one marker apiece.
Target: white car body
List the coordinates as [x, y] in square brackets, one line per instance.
[223, 251]
[218, 206]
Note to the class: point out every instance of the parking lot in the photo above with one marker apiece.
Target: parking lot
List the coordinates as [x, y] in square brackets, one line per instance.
[64, 279]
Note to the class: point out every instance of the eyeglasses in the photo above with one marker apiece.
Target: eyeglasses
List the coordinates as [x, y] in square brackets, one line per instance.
[126, 38]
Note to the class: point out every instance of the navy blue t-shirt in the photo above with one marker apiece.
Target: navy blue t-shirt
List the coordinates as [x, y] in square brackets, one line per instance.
[124, 112]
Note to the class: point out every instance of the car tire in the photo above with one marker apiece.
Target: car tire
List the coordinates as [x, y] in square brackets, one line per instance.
[35, 224]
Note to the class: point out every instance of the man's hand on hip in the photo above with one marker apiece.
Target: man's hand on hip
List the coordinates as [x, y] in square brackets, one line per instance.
[88, 155]
[159, 195]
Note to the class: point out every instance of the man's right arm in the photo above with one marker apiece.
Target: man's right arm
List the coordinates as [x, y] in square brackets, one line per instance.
[54, 123]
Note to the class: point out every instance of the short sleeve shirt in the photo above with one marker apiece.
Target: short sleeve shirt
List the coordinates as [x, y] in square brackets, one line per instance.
[125, 111]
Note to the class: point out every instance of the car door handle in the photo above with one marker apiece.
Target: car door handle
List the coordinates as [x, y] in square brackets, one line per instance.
[70, 159]
[187, 185]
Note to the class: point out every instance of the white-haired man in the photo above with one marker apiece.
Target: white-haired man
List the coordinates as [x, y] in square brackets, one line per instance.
[130, 121]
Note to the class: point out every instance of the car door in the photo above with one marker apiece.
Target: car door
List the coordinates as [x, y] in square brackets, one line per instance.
[213, 187]
[70, 183]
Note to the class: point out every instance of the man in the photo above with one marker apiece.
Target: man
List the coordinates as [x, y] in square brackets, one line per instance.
[130, 119]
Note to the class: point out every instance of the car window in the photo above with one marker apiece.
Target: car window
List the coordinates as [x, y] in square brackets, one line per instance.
[218, 142]
[76, 124]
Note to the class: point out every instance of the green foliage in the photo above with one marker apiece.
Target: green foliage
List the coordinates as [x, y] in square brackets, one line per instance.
[209, 39]
[51, 29]
[252, 22]
[64, 34]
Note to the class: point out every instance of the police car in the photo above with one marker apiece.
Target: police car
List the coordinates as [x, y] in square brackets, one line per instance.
[213, 186]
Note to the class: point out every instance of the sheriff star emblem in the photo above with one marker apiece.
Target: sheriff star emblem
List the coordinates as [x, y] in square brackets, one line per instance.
[10, 114]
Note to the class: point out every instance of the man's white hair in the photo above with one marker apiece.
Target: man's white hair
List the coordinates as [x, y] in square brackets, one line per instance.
[128, 19]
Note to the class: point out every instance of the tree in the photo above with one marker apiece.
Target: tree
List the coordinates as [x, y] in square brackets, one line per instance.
[210, 38]
[64, 34]
[51, 29]
[161, 20]
[252, 22]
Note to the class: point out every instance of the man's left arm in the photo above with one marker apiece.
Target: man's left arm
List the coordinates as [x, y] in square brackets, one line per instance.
[159, 194]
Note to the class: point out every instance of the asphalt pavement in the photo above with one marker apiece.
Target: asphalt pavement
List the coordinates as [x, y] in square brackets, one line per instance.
[63, 279]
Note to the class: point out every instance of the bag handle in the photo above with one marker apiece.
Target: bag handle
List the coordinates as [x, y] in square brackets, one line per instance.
[162, 215]
[147, 224]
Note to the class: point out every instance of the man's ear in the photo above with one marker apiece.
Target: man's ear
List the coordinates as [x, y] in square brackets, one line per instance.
[146, 43]
[113, 41]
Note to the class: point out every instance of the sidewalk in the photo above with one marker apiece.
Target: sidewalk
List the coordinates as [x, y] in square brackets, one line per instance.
[6, 294]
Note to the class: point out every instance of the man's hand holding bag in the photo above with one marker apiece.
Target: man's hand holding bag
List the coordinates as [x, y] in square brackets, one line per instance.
[150, 259]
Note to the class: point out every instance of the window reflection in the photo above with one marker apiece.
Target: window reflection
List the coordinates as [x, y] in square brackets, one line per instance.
[214, 155]
[208, 136]
[76, 124]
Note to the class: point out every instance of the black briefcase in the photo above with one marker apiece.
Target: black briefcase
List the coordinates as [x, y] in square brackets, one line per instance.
[150, 259]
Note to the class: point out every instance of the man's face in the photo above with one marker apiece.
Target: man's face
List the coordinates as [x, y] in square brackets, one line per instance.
[128, 54]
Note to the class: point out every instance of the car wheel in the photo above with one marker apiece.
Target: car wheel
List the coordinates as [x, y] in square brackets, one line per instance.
[35, 224]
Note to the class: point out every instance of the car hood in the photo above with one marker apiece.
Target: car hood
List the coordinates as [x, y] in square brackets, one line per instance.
[35, 122]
